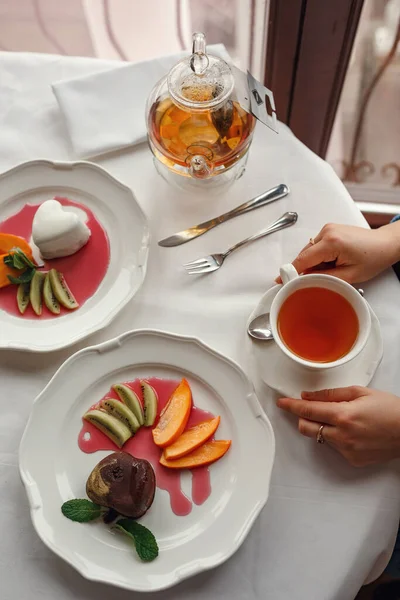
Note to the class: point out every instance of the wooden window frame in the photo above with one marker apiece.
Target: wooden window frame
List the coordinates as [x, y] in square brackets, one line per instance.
[309, 44]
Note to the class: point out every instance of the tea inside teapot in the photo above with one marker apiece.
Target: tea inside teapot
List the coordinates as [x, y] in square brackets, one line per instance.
[196, 128]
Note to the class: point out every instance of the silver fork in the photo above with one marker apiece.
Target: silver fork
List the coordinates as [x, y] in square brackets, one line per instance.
[215, 261]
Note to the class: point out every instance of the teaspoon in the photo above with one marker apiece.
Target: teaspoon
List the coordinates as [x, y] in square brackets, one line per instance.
[260, 329]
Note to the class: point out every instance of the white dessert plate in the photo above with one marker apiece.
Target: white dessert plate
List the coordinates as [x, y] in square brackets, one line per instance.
[116, 208]
[54, 469]
[290, 379]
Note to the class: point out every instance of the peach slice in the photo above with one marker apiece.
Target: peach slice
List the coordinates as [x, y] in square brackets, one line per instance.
[191, 439]
[203, 456]
[174, 417]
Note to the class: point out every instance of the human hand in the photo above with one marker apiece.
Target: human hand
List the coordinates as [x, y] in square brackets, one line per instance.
[362, 424]
[351, 253]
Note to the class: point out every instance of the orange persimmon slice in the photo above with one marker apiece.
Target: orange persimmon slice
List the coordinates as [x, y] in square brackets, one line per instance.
[4, 271]
[174, 417]
[8, 241]
[191, 439]
[201, 457]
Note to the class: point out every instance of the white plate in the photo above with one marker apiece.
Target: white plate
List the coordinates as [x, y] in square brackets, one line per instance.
[116, 208]
[290, 379]
[54, 470]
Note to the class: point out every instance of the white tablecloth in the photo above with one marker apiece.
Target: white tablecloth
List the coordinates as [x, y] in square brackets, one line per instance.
[327, 527]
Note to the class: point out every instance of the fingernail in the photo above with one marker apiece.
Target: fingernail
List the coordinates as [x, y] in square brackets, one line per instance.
[307, 395]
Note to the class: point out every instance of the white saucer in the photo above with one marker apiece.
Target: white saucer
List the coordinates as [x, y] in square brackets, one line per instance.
[289, 379]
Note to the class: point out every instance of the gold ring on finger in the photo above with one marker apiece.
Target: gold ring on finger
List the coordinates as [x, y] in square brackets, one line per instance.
[320, 437]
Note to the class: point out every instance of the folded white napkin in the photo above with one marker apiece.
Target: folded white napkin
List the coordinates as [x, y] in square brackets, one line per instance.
[106, 111]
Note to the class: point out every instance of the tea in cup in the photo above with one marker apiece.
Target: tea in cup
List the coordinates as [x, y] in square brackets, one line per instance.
[319, 321]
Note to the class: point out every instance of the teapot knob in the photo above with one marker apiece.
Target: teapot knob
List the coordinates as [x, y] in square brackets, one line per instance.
[199, 60]
[199, 167]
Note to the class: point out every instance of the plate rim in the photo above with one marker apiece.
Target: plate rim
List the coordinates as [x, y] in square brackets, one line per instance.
[111, 315]
[178, 575]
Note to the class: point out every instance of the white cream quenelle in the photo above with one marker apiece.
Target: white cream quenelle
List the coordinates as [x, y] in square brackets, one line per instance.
[58, 232]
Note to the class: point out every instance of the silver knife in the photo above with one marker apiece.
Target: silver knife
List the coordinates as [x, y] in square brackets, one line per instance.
[280, 191]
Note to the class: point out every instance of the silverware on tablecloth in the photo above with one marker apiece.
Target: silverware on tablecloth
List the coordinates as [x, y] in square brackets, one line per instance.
[260, 328]
[280, 191]
[215, 261]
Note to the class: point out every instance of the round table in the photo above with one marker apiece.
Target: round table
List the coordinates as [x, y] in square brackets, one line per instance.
[327, 527]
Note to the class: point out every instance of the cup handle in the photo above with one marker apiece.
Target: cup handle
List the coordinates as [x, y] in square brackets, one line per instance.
[287, 273]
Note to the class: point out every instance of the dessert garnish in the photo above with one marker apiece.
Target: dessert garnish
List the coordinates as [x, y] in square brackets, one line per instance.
[174, 417]
[81, 510]
[143, 539]
[119, 486]
[121, 412]
[150, 403]
[121, 419]
[17, 267]
[191, 439]
[110, 425]
[23, 297]
[10, 242]
[206, 454]
[58, 232]
[61, 290]
[35, 285]
[35, 292]
[128, 397]
[49, 296]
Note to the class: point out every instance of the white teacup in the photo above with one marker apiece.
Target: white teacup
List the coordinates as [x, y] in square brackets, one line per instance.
[292, 281]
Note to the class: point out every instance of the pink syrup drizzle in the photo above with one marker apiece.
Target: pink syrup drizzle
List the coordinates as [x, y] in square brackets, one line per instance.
[83, 271]
[143, 446]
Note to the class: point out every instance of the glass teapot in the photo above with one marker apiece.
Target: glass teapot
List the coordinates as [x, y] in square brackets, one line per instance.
[198, 133]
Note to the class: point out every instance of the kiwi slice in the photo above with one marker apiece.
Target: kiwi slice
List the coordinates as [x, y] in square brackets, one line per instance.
[150, 403]
[113, 428]
[35, 292]
[23, 296]
[49, 298]
[61, 290]
[128, 397]
[116, 409]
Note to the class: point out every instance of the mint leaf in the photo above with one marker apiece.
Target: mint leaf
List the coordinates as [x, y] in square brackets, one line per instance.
[24, 258]
[17, 259]
[25, 277]
[145, 542]
[18, 262]
[8, 260]
[81, 511]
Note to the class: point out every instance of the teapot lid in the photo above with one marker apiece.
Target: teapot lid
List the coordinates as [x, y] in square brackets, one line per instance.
[201, 80]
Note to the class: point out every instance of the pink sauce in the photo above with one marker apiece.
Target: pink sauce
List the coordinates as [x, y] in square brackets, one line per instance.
[142, 446]
[83, 271]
